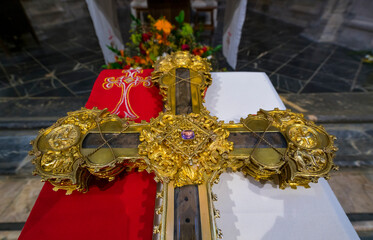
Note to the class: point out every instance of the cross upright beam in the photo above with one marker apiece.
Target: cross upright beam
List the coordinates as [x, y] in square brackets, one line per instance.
[185, 147]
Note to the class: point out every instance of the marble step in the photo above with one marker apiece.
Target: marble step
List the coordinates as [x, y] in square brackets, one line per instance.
[354, 142]
[14, 148]
[332, 107]
[36, 113]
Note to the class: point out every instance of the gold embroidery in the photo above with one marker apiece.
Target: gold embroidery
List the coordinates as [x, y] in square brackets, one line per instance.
[130, 79]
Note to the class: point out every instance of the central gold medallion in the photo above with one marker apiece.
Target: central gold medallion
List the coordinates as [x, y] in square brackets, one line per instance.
[186, 156]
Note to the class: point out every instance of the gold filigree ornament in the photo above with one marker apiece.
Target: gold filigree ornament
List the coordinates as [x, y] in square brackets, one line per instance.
[164, 75]
[186, 149]
[57, 149]
[308, 156]
[183, 149]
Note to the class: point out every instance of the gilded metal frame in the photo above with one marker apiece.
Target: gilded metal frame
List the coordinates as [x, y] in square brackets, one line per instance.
[60, 158]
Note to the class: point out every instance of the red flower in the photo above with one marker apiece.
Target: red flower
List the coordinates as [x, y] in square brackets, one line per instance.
[146, 36]
[185, 47]
[197, 51]
[127, 67]
[137, 59]
[204, 49]
[142, 49]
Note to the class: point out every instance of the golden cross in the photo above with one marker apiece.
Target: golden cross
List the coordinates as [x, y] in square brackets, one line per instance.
[185, 147]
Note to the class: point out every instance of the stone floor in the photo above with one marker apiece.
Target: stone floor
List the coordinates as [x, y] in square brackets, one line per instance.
[67, 65]
[60, 72]
[63, 65]
[354, 190]
[296, 64]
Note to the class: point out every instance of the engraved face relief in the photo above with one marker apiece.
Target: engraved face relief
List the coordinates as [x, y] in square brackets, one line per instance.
[59, 163]
[63, 137]
[303, 136]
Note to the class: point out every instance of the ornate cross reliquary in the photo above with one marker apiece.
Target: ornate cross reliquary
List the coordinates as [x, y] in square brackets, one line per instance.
[185, 147]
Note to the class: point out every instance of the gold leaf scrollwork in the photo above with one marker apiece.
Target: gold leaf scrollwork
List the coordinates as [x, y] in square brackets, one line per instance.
[309, 151]
[184, 149]
[185, 162]
[57, 150]
[164, 67]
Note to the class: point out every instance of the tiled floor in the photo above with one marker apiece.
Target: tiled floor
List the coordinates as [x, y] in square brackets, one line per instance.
[67, 64]
[63, 65]
[18, 196]
[357, 195]
[296, 64]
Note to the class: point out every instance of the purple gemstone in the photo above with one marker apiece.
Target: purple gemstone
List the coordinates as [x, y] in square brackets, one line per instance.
[187, 134]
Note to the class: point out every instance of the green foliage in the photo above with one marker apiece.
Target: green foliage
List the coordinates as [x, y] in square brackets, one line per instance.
[136, 38]
[217, 48]
[136, 20]
[186, 30]
[180, 18]
[114, 65]
[113, 49]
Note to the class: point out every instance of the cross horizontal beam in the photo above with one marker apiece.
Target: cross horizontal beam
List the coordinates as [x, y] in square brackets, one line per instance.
[185, 147]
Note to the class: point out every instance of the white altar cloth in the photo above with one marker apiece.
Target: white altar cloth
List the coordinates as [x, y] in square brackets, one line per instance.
[251, 210]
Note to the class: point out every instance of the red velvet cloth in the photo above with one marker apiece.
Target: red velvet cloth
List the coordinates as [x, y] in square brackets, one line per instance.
[122, 210]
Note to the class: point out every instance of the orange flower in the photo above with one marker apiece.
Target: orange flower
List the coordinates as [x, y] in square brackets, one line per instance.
[142, 61]
[158, 36]
[167, 43]
[148, 60]
[163, 25]
[197, 51]
[128, 60]
[162, 39]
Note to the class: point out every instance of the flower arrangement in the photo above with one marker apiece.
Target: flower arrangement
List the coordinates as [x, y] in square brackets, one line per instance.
[150, 41]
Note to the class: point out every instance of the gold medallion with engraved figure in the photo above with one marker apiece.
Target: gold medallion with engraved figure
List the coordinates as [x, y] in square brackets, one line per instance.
[63, 137]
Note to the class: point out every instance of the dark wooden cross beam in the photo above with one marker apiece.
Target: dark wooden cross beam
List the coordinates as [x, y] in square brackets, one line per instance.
[185, 147]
